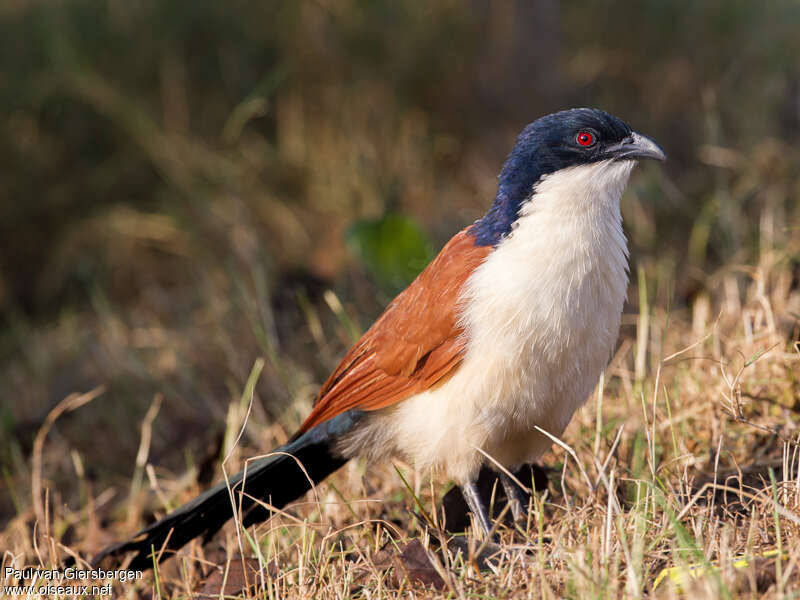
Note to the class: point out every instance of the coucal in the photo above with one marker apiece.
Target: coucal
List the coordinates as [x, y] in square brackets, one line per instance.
[508, 328]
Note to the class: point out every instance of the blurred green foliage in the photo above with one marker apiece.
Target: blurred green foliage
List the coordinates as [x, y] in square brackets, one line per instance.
[164, 106]
[394, 248]
[177, 179]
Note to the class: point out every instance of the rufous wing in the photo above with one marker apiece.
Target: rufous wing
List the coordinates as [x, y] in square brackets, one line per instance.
[415, 344]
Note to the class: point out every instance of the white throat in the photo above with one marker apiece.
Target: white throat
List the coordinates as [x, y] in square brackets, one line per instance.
[593, 189]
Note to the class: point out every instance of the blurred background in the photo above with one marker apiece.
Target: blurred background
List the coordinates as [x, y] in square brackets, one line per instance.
[189, 187]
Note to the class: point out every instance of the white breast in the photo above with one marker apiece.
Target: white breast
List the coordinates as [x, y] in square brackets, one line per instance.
[541, 316]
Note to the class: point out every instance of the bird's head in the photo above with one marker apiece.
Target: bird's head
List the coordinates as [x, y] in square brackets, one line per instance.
[562, 140]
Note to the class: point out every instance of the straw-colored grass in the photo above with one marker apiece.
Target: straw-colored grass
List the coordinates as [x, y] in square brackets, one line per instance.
[687, 454]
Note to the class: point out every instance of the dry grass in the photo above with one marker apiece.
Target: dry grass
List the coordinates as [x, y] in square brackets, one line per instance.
[687, 455]
[178, 242]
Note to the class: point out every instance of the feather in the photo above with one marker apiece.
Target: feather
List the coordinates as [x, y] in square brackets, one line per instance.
[415, 344]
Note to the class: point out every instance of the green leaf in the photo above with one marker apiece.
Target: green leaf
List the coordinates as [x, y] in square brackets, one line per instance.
[394, 249]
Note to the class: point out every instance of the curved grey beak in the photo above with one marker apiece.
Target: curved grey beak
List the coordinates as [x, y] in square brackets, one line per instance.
[636, 146]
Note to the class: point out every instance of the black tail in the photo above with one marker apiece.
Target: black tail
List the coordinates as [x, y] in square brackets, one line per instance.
[277, 480]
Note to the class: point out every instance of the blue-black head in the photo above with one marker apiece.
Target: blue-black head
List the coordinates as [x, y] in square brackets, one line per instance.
[558, 141]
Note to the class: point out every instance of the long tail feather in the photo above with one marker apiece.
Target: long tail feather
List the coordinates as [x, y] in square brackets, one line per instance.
[276, 479]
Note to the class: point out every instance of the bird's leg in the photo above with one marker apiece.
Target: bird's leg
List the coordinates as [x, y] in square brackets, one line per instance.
[476, 506]
[515, 495]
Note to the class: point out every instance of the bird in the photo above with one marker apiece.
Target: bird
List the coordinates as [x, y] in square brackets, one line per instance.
[482, 358]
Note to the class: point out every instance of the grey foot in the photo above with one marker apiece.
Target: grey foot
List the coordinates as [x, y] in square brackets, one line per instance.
[517, 498]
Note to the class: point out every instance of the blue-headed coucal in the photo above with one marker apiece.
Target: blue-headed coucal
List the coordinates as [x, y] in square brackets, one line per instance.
[508, 328]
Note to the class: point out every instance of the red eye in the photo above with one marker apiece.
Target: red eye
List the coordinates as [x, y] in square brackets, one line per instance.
[584, 138]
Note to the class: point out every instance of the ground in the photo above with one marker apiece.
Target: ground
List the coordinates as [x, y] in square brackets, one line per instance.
[685, 459]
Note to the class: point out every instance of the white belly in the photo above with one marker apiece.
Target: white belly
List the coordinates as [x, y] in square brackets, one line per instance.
[541, 316]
